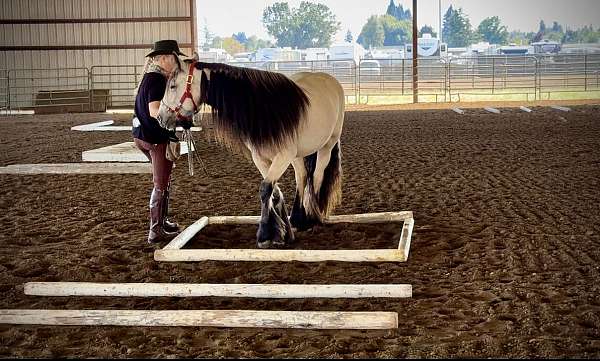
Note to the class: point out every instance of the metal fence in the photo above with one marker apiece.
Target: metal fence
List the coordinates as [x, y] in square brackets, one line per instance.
[114, 85]
[439, 80]
[4, 93]
[494, 75]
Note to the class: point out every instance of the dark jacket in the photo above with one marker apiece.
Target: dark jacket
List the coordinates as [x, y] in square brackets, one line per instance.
[152, 88]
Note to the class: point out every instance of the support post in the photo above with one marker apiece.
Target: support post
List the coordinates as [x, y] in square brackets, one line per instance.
[415, 54]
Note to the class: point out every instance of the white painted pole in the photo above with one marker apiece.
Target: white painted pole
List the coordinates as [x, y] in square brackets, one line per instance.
[90, 126]
[280, 255]
[217, 290]
[77, 168]
[491, 110]
[187, 234]
[204, 318]
[405, 237]
[525, 109]
[382, 217]
[563, 109]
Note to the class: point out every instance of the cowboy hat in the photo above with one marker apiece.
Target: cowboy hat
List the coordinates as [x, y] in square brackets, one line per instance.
[165, 47]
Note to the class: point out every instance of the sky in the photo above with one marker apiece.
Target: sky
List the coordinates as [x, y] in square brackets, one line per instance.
[225, 17]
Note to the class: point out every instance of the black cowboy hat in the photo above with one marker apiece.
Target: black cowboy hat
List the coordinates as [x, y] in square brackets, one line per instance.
[165, 47]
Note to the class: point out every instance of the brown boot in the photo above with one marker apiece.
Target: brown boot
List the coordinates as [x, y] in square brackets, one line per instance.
[157, 232]
[169, 226]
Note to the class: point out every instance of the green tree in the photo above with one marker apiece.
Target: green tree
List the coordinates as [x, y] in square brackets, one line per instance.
[232, 46]
[255, 43]
[372, 33]
[309, 25]
[520, 38]
[241, 38]
[395, 32]
[398, 11]
[349, 36]
[402, 14]
[427, 29]
[556, 27]
[491, 30]
[457, 31]
[391, 9]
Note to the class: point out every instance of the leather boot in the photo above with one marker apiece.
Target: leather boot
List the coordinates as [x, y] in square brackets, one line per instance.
[157, 232]
[169, 226]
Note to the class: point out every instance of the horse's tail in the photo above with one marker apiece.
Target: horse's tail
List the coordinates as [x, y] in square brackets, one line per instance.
[320, 203]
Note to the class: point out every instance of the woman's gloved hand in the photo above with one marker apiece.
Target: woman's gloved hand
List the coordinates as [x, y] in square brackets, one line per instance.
[185, 123]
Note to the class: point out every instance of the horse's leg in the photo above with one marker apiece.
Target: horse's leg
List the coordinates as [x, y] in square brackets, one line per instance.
[324, 195]
[299, 217]
[273, 229]
[279, 207]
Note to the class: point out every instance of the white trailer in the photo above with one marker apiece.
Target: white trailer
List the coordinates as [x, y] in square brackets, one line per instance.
[426, 47]
[347, 51]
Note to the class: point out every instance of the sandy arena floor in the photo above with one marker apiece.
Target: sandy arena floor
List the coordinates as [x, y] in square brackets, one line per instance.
[503, 262]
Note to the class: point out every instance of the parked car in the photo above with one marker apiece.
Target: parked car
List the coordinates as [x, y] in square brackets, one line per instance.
[370, 69]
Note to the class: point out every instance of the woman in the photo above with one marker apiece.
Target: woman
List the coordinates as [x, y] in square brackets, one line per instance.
[152, 139]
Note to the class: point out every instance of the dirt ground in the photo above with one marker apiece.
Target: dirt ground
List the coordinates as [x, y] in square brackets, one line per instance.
[503, 261]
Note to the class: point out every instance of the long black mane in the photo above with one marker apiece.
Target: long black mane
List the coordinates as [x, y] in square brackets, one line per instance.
[259, 107]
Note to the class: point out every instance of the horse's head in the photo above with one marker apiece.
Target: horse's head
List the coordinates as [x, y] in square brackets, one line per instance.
[182, 96]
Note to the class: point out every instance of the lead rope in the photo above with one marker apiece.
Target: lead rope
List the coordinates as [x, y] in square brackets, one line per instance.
[192, 150]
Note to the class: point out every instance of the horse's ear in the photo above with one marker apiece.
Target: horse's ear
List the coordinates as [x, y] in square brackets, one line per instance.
[195, 56]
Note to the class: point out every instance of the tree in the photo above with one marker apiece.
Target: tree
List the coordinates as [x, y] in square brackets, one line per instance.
[457, 28]
[521, 38]
[492, 31]
[556, 27]
[402, 14]
[232, 46]
[241, 38]
[427, 29]
[348, 37]
[395, 32]
[372, 33]
[309, 25]
[391, 9]
[255, 43]
[216, 42]
[398, 12]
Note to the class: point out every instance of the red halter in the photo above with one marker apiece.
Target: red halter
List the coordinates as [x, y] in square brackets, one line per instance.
[187, 94]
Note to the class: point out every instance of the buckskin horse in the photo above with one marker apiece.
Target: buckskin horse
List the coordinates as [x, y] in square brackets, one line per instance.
[282, 120]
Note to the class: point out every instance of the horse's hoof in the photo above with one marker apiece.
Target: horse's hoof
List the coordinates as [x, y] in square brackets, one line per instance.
[264, 244]
[278, 244]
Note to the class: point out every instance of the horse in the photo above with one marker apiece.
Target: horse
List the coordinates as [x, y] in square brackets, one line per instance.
[281, 120]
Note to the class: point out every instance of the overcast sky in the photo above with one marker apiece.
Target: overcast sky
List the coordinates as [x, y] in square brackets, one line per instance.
[225, 17]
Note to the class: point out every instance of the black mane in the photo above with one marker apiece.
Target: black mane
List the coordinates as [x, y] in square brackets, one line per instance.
[252, 106]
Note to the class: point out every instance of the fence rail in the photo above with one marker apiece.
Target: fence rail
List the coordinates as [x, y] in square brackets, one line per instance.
[439, 80]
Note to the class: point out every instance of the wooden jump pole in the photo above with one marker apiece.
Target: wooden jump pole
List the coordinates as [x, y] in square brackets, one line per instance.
[280, 255]
[204, 318]
[217, 290]
[187, 234]
[172, 252]
[382, 217]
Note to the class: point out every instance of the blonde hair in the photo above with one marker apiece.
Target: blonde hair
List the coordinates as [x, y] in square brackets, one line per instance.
[149, 61]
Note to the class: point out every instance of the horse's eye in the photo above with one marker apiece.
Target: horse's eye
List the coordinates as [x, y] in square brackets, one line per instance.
[173, 86]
